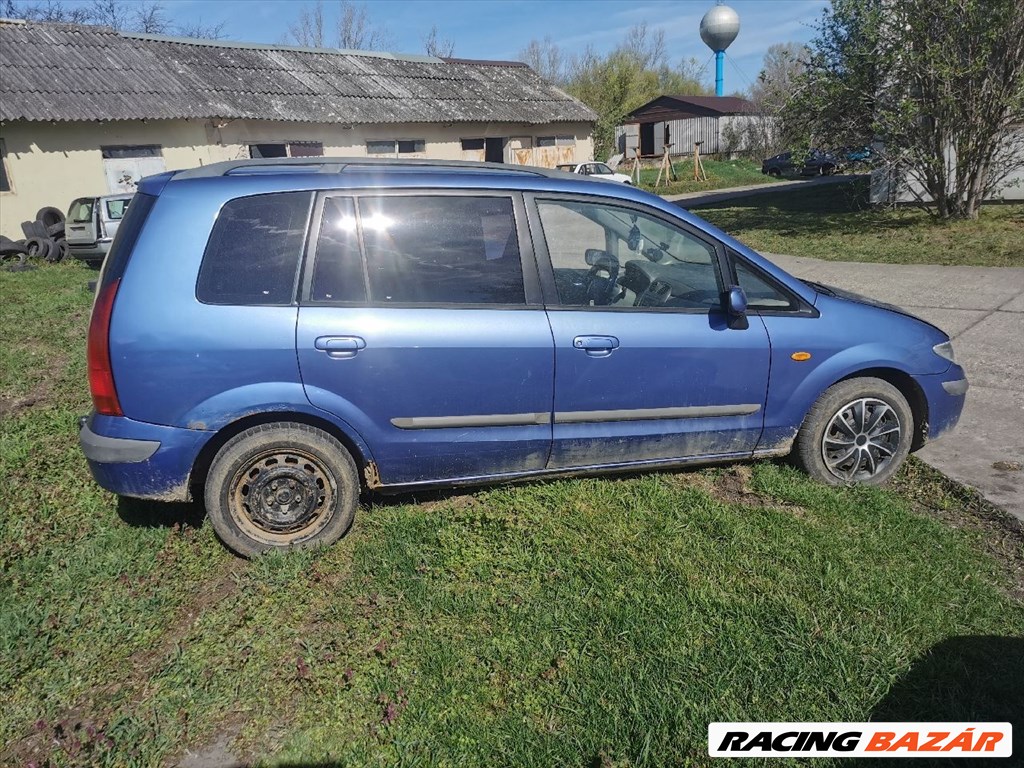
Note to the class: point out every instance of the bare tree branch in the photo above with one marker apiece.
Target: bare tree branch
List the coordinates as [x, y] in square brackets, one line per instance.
[435, 45]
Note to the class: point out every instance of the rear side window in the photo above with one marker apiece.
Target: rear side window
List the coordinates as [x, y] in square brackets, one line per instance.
[254, 250]
[338, 272]
[442, 250]
[116, 208]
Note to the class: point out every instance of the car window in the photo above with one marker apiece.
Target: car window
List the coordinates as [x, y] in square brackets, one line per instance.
[81, 210]
[601, 168]
[761, 294]
[116, 208]
[604, 255]
[441, 250]
[253, 253]
[338, 267]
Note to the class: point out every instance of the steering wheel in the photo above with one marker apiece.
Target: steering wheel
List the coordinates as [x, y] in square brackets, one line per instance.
[602, 280]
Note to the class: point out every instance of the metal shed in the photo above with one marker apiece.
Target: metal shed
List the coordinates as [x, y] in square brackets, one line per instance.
[681, 121]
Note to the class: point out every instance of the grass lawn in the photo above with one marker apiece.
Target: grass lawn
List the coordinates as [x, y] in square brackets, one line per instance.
[837, 223]
[588, 622]
[721, 174]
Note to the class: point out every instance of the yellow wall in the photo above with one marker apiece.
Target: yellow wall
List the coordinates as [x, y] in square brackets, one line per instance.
[53, 163]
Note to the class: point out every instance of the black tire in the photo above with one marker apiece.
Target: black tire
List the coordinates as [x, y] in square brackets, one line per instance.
[50, 216]
[38, 247]
[56, 231]
[774, 173]
[819, 457]
[11, 248]
[62, 249]
[306, 467]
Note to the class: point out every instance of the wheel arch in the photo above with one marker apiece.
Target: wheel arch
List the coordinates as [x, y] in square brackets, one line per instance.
[201, 466]
[910, 389]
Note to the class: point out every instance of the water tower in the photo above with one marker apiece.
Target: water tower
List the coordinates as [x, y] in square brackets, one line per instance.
[718, 29]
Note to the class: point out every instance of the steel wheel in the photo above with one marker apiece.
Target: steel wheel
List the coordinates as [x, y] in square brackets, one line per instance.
[281, 486]
[861, 439]
[282, 493]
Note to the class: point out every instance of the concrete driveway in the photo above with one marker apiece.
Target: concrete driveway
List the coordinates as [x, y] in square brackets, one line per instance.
[982, 309]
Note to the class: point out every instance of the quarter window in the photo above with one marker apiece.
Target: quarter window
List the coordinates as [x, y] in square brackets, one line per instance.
[441, 250]
[253, 253]
[603, 255]
[761, 294]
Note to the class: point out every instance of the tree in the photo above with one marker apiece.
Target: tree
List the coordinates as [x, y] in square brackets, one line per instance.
[149, 17]
[614, 84]
[435, 45]
[353, 30]
[760, 134]
[545, 58]
[938, 83]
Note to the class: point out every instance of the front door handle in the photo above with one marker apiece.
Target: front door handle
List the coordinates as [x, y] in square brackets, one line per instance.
[339, 347]
[596, 346]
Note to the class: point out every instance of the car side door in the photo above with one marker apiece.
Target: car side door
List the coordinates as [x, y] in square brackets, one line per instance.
[648, 365]
[421, 327]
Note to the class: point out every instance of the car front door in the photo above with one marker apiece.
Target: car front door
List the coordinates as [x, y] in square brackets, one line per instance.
[648, 366]
[421, 330]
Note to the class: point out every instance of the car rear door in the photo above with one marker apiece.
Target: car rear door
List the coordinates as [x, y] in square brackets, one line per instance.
[421, 329]
[648, 367]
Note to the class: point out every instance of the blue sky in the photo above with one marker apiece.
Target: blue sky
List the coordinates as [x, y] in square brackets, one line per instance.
[499, 29]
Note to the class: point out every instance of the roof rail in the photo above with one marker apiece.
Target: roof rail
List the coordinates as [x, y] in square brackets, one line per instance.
[340, 164]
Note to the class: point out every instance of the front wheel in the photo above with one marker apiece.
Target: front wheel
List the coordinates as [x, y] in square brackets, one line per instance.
[281, 486]
[859, 431]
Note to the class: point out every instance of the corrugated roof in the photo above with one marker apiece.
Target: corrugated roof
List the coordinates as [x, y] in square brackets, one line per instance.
[722, 105]
[56, 72]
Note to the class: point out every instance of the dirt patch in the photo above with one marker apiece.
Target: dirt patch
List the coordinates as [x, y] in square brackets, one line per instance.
[40, 392]
[79, 735]
[999, 533]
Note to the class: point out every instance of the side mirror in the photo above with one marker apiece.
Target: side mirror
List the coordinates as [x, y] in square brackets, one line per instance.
[735, 301]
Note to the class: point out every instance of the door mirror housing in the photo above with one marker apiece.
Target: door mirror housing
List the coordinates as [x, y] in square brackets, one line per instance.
[735, 302]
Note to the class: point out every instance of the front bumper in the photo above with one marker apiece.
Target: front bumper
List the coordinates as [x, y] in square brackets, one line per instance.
[133, 458]
[945, 394]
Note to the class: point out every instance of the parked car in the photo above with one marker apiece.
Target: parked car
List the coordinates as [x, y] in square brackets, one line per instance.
[324, 327]
[816, 163]
[597, 171]
[91, 225]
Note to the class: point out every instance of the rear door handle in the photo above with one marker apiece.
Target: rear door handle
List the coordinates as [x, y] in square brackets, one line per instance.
[596, 346]
[339, 347]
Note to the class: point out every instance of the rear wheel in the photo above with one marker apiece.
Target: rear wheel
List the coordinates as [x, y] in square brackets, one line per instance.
[859, 431]
[774, 173]
[281, 486]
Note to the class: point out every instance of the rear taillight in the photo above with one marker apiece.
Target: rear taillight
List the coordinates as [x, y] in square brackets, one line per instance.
[101, 377]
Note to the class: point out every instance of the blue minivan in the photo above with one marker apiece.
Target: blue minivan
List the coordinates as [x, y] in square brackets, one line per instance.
[276, 337]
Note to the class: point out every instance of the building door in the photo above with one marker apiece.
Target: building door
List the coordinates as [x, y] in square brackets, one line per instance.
[124, 166]
[494, 150]
[647, 139]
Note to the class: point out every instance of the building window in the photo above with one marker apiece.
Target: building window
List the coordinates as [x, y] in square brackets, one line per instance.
[287, 149]
[556, 141]
[469, 145]
[392, 147]
[5, 179]
[123, 152]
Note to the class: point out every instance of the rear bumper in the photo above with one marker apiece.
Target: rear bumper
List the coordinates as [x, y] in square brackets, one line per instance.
[132, 458]
[90, 251]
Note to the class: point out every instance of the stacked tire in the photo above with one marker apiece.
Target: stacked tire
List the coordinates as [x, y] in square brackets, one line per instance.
[44, 239]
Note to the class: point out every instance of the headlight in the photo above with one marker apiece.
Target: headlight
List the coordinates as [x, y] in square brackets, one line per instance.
[945, 351]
